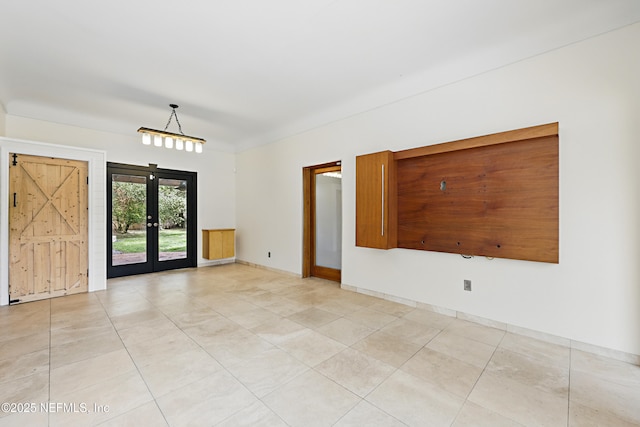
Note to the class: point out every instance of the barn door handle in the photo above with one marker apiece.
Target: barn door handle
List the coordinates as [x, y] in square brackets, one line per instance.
[15, 195]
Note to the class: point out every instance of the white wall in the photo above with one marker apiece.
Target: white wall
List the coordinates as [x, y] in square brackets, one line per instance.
[2, 120]
[216, 170]
[593, 296]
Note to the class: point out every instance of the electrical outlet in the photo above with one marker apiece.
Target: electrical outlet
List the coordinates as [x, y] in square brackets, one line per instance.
[467, 285]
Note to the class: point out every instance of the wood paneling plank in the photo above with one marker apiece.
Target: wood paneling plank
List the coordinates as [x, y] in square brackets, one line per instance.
[492, 200]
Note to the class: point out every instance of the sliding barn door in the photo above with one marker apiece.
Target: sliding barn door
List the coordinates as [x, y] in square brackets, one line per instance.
[48, 227]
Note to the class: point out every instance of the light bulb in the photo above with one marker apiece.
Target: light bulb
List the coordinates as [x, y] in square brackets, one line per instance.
[198, 147]
[168, 142]
[189, 146]
[179, 144]
[146, 139]
[157, 140]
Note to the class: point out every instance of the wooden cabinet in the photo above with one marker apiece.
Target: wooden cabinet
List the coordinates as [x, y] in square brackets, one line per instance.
[376, 201]
[218, 244]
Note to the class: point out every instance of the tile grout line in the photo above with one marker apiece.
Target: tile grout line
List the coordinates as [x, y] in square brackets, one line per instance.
[466, 399]
[569, 388]
[134, 364]
[49, 391]
[361, 398]
[313, 368]
[396, 369]
[309, 368]
[210, 355]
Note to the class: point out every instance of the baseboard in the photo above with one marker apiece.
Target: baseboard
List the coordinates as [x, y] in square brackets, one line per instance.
[264, 267]
[542, 336]
[216, 262]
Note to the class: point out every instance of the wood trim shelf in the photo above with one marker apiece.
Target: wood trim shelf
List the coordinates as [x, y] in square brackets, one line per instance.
[540, 131]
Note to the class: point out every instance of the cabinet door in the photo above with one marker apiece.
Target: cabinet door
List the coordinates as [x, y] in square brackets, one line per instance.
[376, 201]
[228, 244]
[215, 245]
[218, 244]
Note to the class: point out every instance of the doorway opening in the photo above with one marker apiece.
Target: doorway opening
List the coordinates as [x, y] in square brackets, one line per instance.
[322, 248]
[151, 219]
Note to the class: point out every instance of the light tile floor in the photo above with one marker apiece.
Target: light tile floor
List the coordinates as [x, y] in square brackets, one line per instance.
[233, 345]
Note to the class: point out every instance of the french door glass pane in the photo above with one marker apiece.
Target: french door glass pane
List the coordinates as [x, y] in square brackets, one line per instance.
[172, 214]
[128, 219]
[328, 220]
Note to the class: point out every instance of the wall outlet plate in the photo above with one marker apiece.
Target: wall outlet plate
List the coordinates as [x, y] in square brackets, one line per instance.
[467, 285]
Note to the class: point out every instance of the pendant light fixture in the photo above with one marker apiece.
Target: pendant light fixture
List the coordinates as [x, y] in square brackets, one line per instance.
[171, 140]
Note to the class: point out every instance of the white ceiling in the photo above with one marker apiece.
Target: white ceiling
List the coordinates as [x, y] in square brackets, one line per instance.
[248, 72]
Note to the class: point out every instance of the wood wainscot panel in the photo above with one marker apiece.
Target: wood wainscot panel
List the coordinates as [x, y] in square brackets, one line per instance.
[491, 197]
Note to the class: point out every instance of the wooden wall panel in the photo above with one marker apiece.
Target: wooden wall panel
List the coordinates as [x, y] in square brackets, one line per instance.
[494, 200]
[376, 201]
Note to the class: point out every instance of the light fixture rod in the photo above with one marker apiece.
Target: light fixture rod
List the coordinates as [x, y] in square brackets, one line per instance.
[174, 114]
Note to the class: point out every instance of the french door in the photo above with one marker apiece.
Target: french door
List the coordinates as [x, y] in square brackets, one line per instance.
[151, 219]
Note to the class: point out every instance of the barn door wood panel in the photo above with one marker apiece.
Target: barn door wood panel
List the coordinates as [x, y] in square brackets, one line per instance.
[48, 247]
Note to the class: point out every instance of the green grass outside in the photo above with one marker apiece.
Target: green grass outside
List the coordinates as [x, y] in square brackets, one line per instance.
[173, 240]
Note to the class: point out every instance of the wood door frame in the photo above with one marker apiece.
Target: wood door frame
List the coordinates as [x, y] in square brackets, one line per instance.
[308, 247]
[97, 160]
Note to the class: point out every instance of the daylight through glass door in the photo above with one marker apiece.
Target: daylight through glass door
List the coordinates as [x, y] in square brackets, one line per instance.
[152, 220]
[128, 219]
[172, 218]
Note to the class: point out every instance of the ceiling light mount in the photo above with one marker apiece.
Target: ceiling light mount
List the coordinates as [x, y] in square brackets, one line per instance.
[182, 141]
